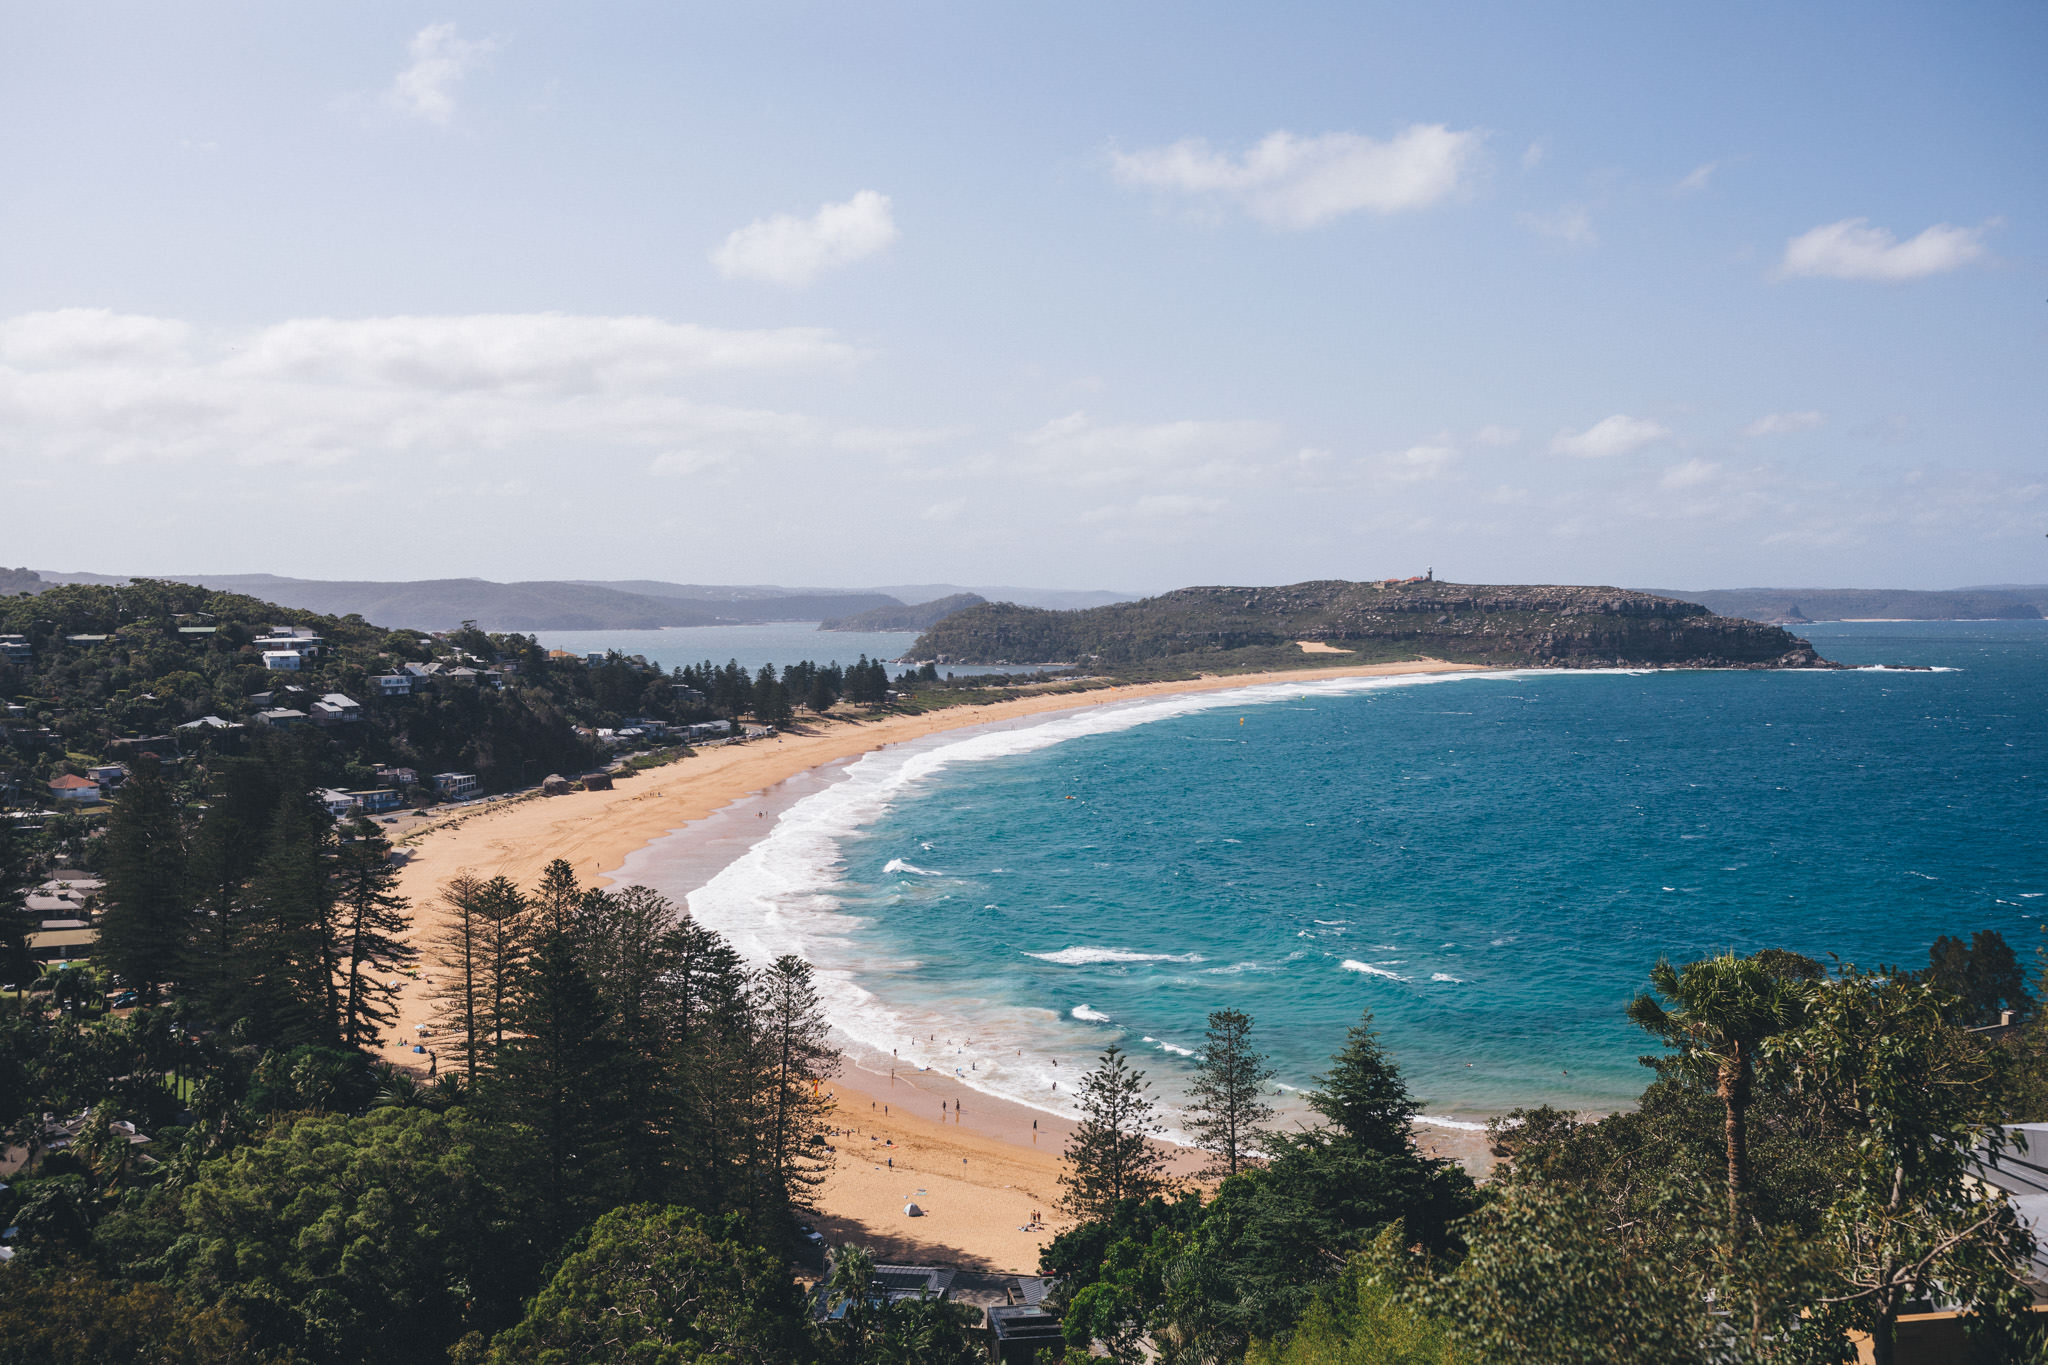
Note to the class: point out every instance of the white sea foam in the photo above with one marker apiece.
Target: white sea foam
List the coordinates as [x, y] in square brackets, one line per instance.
[1082, 957]
[781, 896]
[1353, 965]
[898, 865]
[1175, 1048]
[1462, 1125]
[1092, 1016]
[1446, 976]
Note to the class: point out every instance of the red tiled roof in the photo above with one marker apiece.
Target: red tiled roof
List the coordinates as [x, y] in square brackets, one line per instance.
[70, 783]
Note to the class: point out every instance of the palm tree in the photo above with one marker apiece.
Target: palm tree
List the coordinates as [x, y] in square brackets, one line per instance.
[1717, 1014]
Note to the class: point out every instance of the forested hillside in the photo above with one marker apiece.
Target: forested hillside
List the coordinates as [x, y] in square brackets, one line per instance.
[922, 616]
[1463, 623]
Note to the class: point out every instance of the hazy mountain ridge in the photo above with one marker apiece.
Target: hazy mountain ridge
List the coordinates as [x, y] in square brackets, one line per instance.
[2004, 602]
[922, 616]
[1466, 623]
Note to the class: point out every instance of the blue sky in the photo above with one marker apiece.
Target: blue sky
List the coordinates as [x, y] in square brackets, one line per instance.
[1127, 296]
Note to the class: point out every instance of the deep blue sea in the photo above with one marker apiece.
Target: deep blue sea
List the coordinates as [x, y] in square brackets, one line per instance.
[1490, 863]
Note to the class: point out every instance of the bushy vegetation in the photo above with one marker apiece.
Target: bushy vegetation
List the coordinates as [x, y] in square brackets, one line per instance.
[1803, 1167]
[630, 1122]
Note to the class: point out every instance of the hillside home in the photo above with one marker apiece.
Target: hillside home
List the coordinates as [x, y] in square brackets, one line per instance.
[393, 684]
[76, 791]
[455, 786]
[87, 639]
[277, 718]
[209, 723]
[336, 709]
[15, 648]
[399, 777]
[108, 775]
[302, 642]
[282, 660]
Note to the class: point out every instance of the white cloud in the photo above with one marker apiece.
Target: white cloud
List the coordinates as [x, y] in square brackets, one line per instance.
[1853, 250]
[1289, 181]
[1418, 463]
[1571, 224]
[1532, 155]
[1697, 180]
[1078, 450]
[1691, 474]
[790, 250]
[87, 336]
[1779, 423]
[1616, 435]
[440, 59]
[91, 386]
[1497, 436]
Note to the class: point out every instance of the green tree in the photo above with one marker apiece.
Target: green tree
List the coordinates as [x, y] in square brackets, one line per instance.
[370, 919]
[1112, 1154]
[555, 1080]
[1909, 1219]
[1228, 1112]
[290, 957]
[797, 1059]
[143, 922]
[66, 1314]
[1984, 975]
[1369, 1316]
[1544, 1282]
[1720, 1013]
[345, 1239]
[462, 1002]
[1364, 1096]
[659, 1286]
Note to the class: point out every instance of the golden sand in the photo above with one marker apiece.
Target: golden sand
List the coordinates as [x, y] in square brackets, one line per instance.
[981, 1171]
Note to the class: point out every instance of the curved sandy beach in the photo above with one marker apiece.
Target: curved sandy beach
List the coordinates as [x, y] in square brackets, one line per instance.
[979, 1176]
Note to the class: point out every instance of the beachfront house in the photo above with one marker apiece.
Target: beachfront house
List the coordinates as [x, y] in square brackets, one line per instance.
[455, 786]
[338, 804]
[378, 800]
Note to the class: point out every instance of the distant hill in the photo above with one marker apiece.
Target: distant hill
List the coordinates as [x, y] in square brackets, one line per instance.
[923, 616]
[571, 604]
[1058, 599]
[1903, 604]
[1469, 623]
[445, 603]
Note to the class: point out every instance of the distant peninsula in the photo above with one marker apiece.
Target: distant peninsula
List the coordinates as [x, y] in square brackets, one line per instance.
[922, 616]
[1331, 621]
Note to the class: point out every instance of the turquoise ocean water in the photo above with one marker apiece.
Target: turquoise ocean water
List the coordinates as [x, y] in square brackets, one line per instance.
[1490, 863]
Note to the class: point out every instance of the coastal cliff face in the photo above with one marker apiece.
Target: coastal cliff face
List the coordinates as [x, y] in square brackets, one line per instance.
[1551, 626]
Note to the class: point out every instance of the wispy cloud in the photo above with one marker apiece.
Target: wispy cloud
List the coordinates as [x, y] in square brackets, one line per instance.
[1296, 182]
[425, 89]
[1697, 180]
[789, 250]
[1779, 423]
[1611, 436]
[1571, 224]
[1853, 250]
[90, 386]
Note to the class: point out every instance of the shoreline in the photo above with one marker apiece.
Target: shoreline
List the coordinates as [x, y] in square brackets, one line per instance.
[725, 796]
